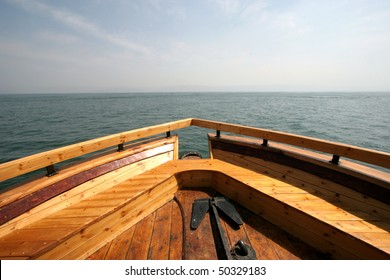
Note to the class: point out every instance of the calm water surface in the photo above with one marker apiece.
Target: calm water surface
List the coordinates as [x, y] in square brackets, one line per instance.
[35, 123]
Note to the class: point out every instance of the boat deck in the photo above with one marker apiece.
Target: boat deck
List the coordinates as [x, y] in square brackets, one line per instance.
[347, 224]
[160, 235]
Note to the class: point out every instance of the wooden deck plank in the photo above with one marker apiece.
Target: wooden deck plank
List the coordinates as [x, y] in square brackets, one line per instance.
[139, 247]
[280, 243]
[120, 245]
[260, 243]
[274, 243]
[268, 241]
[313, 204]
[199, 243]
[22, 248]
[101, 253]
[176, 238]
[160, 241]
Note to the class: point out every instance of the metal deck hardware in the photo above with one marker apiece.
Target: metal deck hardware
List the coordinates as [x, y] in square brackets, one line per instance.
[120, 147]
[200, 207]
[335, 159]
[51, 170]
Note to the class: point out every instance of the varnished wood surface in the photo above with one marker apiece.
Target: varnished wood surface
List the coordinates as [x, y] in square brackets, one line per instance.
[304, 197]
[336, 220]
[161, 235]
[333, 148]
[30, 163]
[65, 172]
[66, 231]
[278, 192]
[108, 211]
[326, 170]
[84, 192]
[34, 199]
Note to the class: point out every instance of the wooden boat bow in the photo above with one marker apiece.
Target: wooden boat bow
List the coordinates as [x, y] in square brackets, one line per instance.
[121, 190]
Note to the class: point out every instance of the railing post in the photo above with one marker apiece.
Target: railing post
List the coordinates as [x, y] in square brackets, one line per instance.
[335, 159]
[265, 142]
[51, 170]
[218, 133]
[168, 134]
[120, 147]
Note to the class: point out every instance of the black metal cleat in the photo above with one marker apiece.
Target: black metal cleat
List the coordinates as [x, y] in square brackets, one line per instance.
[200, 207]
[242, 251]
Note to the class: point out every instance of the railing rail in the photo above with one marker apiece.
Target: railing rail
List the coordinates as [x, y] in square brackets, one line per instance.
[337, 149]
[31, 163]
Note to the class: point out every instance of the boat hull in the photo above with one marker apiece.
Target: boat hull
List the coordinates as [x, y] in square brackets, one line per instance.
[295, 203]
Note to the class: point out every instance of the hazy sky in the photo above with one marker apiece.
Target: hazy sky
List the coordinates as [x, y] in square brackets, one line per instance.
[198, 45]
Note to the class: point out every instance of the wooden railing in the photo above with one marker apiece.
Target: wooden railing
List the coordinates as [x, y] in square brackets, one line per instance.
[48, 159]
[336, 149]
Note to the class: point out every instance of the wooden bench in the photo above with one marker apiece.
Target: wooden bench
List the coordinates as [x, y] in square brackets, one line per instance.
[330, 217]
[331, 220]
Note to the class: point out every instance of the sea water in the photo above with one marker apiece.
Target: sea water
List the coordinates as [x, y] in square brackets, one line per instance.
[32, 123]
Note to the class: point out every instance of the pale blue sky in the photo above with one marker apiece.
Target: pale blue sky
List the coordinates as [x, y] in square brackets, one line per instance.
[204, 45]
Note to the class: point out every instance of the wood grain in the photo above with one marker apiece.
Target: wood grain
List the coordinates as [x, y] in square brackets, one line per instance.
[160, 241]
[322, 171]
[333, 148]
[268, 241]
[304, 208]
[83, 192]
[67, 171]
[199, 243]
[139, 248]
[26, 203]
[176, 236]
[28, 164]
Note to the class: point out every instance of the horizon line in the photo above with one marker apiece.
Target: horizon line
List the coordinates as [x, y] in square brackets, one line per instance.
[194, 91]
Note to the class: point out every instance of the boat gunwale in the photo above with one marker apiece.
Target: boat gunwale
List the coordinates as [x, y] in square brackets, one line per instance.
[34, 162]
[175, 170]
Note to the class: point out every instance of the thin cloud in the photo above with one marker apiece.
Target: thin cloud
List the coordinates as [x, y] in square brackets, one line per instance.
[252, 10]
[80, 23]
[58, 38]
[229, 7]
[291, 23]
